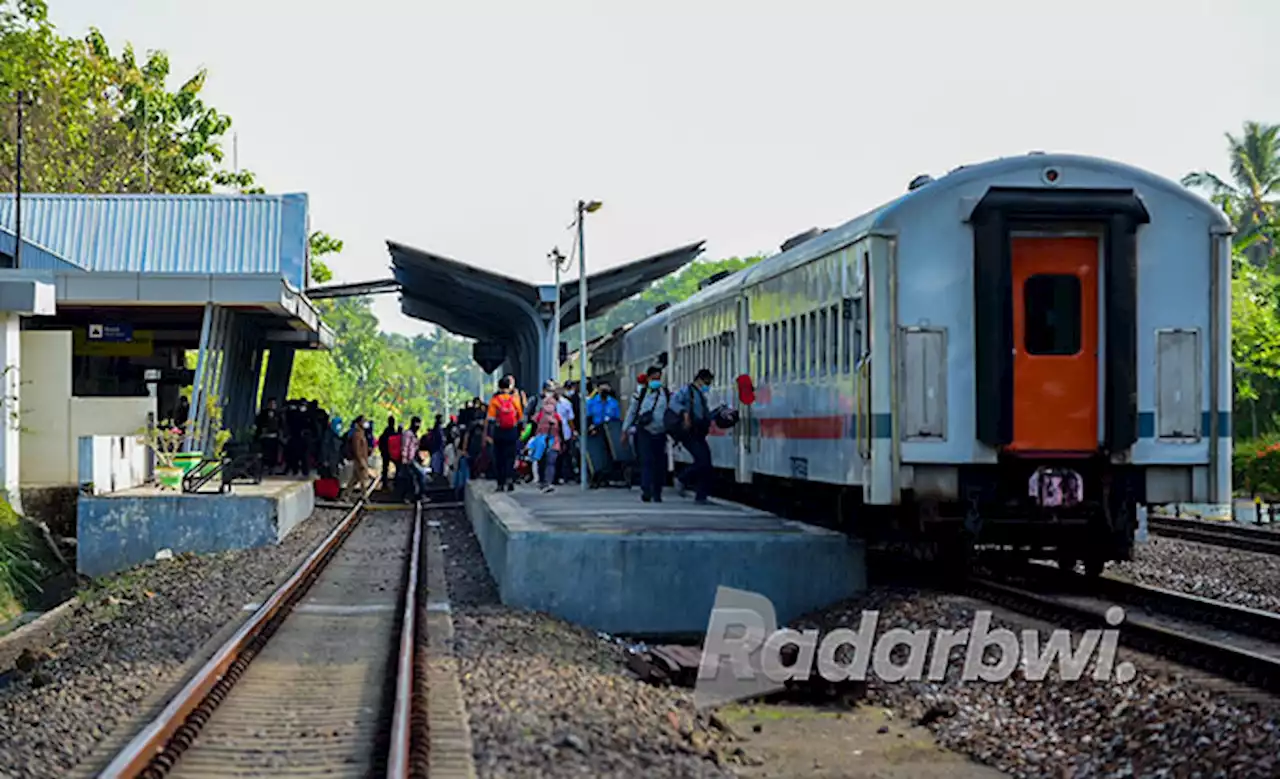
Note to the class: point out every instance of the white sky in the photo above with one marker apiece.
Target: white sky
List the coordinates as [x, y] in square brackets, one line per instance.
[471, 129]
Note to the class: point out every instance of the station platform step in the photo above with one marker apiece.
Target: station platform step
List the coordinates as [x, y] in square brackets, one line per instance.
[118, 530]
[605, 560]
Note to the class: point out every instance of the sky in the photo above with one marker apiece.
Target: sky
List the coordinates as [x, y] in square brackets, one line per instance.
[472, 129]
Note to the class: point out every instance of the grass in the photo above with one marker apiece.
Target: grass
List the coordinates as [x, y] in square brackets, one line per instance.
[20, 567]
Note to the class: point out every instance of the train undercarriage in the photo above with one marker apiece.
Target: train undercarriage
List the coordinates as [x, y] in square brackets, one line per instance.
[1001, 514]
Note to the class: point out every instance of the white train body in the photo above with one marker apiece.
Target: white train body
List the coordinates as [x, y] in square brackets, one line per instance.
[1029, 312]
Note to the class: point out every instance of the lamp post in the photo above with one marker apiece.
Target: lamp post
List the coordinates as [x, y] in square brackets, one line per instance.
[25, 100]
[584, 208]
[562, 263]
[446, 370]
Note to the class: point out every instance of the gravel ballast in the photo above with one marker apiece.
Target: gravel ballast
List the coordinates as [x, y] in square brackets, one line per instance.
[1154, 725]
[130, 634]
[1231, 575]
[545, 698]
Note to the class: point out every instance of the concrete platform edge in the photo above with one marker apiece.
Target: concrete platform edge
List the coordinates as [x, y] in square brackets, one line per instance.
[655, 584]
[450, 751]
[117, 532]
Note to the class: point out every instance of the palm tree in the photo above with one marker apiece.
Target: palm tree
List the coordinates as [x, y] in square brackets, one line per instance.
[1252, 202]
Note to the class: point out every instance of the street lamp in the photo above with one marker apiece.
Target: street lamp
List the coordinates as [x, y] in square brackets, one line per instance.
[584, 208]
[562, 264]
[446, 370]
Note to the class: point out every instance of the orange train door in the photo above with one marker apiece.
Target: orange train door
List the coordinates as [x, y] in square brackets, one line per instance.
[1055, 344]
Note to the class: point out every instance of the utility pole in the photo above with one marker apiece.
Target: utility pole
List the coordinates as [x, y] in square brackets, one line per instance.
[25, 100]
[584, 208]
[558, 260]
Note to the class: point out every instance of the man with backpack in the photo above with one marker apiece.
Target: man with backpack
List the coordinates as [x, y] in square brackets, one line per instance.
[645, 422]
[505, 415]
[688, 420]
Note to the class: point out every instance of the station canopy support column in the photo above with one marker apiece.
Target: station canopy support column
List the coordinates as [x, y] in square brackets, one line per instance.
[497, 309]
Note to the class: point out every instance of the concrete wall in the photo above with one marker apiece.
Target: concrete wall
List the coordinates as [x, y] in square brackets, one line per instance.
[110, 463]
[53, 420]
[117, 532]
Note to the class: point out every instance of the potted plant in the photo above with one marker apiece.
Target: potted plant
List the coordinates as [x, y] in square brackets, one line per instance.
[166, 441]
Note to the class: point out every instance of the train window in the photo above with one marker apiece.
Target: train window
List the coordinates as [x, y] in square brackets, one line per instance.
[773, 351]
[790, 364]
[833, 318]
[1051, 306]
[785, 352]
[813, 343]
[801, 342]
[822, 342]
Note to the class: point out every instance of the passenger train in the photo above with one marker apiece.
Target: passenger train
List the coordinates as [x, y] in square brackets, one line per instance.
[1016, 355]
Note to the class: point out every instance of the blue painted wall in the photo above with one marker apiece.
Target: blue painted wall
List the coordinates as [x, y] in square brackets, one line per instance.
[115, 533]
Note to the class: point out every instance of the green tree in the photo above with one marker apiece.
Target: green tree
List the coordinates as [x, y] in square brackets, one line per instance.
[1250, 200]
[671, 289]
[102, 122]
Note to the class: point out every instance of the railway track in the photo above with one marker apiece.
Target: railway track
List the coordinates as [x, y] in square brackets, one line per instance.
[326, 678]
[1226, 640]
[1228, 534]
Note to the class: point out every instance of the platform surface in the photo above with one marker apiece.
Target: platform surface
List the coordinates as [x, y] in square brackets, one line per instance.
[122, 529]
[607, 561]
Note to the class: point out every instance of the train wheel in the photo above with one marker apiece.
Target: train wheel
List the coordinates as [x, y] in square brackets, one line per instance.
[1093, 566]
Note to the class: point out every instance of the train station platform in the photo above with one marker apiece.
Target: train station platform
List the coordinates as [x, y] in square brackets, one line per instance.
[606, 561]
[119, 530]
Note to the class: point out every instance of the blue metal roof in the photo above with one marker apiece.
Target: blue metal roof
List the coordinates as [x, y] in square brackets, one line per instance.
[35, 256]
[205, 234]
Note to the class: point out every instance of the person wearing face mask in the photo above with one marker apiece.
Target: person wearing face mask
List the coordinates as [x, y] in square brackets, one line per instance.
[644, 423]
[602, 407]
[689, 423]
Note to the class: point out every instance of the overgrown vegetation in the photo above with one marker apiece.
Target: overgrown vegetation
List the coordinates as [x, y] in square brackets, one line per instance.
[20, 569]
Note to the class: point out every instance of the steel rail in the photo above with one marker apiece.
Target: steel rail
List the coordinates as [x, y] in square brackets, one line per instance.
[399, 760]
[1225, 534]
[180, 719]
[1242, 664]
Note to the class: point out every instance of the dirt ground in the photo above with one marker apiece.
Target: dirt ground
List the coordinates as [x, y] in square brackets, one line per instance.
[846, 744]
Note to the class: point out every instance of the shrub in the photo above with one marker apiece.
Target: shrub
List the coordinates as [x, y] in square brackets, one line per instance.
[1255, 466]
[19, 572]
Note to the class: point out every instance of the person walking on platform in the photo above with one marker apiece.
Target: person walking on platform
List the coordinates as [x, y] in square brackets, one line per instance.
[407, 471]
[550, 427]
[645, 425]
[602, 407]
[268, 429]
[385, 449]
[504, 417]
[564, 465]
[433, 443]
[689, 423]
[358, 448]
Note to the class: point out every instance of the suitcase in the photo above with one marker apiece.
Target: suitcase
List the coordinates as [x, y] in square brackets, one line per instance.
[327, 489]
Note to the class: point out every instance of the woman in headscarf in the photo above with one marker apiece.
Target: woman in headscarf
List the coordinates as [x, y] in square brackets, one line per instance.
[547, 423]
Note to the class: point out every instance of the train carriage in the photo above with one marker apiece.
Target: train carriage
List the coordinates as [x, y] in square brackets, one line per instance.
[1018, 353]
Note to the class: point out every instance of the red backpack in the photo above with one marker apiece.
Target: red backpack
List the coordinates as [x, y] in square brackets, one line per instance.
[507, 417]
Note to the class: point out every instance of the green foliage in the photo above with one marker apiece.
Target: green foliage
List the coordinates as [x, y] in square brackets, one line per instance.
[166, 438]
[1255, 466]
[1250, 197]
[374, 373]
[19, 572]
[102, 121]
[672, 289]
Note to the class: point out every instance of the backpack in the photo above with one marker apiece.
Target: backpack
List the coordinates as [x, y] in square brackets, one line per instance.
[644, 418]
[507, 416]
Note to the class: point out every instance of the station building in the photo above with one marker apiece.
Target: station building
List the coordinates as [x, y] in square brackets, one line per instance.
[112, 293]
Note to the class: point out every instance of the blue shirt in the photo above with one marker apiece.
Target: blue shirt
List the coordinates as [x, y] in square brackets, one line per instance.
[601, 410]
[683, 402]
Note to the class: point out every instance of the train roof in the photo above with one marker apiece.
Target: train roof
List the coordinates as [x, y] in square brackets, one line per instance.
[882, 218]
